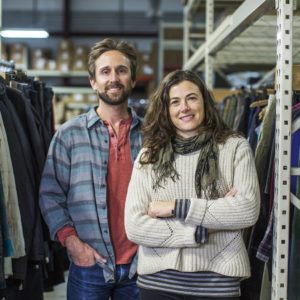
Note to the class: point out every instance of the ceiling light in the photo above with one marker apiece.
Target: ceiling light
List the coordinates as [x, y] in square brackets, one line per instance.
[24, 33]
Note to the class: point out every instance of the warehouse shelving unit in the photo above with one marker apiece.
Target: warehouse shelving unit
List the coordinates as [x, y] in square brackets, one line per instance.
[283, 148]
[65, 27]
[56, 73]
[167, 44]
[63, 74]
[226, 36]
[177, 44]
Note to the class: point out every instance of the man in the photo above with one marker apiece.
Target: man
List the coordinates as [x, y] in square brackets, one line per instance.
[85, 179]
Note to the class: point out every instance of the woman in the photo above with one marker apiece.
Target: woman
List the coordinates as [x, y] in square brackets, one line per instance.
[193, 190]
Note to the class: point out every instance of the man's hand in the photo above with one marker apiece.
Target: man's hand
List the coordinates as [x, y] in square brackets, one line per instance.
[161, 209]
[82, 254]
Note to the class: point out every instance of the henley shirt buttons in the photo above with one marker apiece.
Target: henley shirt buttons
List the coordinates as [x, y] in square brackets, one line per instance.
[105, 141]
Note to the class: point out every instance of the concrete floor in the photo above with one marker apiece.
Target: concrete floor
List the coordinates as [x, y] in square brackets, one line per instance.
[59, 292]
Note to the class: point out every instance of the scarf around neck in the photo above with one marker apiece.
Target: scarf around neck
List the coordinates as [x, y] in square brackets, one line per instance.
[207, 166]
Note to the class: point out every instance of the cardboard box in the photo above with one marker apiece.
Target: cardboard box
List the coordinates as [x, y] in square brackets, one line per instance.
[64, 58]
[80, 55]
[40, 58]
[19, 54]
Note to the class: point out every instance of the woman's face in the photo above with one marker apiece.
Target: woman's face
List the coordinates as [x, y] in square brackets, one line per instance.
[186, 108]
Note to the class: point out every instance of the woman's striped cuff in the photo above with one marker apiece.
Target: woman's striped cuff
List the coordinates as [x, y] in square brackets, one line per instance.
[181, 210]
[201, 235]
[182, 207]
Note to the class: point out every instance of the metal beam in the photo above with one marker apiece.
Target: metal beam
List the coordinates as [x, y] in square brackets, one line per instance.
[191, 6]
[66, 20]
[284, 95]
[0, 28]
[98, 34]
[209, 61]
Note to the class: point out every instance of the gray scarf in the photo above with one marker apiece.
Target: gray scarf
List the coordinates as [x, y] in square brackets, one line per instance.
[207, 165]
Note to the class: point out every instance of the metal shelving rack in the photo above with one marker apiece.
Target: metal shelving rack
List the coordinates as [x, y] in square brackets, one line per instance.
[246, 14]
[208, 58]
[163, 44]
[283, 148]
[65, 74]
[56, 73]
[175, 44]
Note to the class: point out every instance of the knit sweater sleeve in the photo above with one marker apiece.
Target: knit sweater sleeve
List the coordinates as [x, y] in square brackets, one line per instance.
[147, 231]
[231, 213]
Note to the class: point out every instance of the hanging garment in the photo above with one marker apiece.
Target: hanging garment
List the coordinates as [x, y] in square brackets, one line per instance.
[294, 258]
[10, 199]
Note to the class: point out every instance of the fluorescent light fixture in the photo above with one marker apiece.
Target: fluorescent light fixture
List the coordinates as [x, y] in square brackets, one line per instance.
[24, 33]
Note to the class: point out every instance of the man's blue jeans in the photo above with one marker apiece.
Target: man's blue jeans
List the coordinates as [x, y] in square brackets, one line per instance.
[87, 283]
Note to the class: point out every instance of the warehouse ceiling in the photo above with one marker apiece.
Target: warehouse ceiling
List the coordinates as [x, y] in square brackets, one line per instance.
[88, 17]
[100, 17]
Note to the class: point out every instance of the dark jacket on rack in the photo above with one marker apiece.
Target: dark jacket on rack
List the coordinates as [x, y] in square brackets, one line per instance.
[29, 123]
[22, 160]
[43, 117]
[28, 140]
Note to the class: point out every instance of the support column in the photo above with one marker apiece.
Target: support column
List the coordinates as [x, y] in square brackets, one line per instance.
[282, 149]
[209, 61]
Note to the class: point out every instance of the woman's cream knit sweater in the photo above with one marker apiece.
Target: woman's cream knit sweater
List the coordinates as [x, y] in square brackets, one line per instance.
[170, 243]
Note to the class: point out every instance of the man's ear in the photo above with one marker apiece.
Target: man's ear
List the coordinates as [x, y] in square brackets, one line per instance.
[133, 83]
[93, 83]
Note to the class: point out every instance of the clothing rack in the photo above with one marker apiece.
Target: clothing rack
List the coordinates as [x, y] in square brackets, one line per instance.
[27, 116]
[295, 171]
[246, 14]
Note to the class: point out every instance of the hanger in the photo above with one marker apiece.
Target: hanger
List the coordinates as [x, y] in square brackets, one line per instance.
[17, 76]
[271, 91]
[262, 113]
[262, 92]
[259, 103]
[2, 74]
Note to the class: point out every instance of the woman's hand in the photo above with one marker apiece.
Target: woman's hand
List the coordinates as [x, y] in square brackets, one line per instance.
[161, 209]
[231, 193]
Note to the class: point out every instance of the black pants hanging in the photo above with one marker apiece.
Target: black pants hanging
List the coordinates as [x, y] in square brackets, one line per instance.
[33, 289]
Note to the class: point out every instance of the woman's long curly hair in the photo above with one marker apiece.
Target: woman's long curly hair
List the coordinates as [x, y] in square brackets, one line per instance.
[158, 128]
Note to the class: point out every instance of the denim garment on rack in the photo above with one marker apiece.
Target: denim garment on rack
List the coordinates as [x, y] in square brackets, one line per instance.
[294, 258]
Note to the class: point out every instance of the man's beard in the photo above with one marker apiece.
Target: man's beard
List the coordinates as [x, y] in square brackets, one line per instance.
[114, 101]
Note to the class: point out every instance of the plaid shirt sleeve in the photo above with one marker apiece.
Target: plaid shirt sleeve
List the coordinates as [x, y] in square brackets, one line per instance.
[54, 187]
[265, 247]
